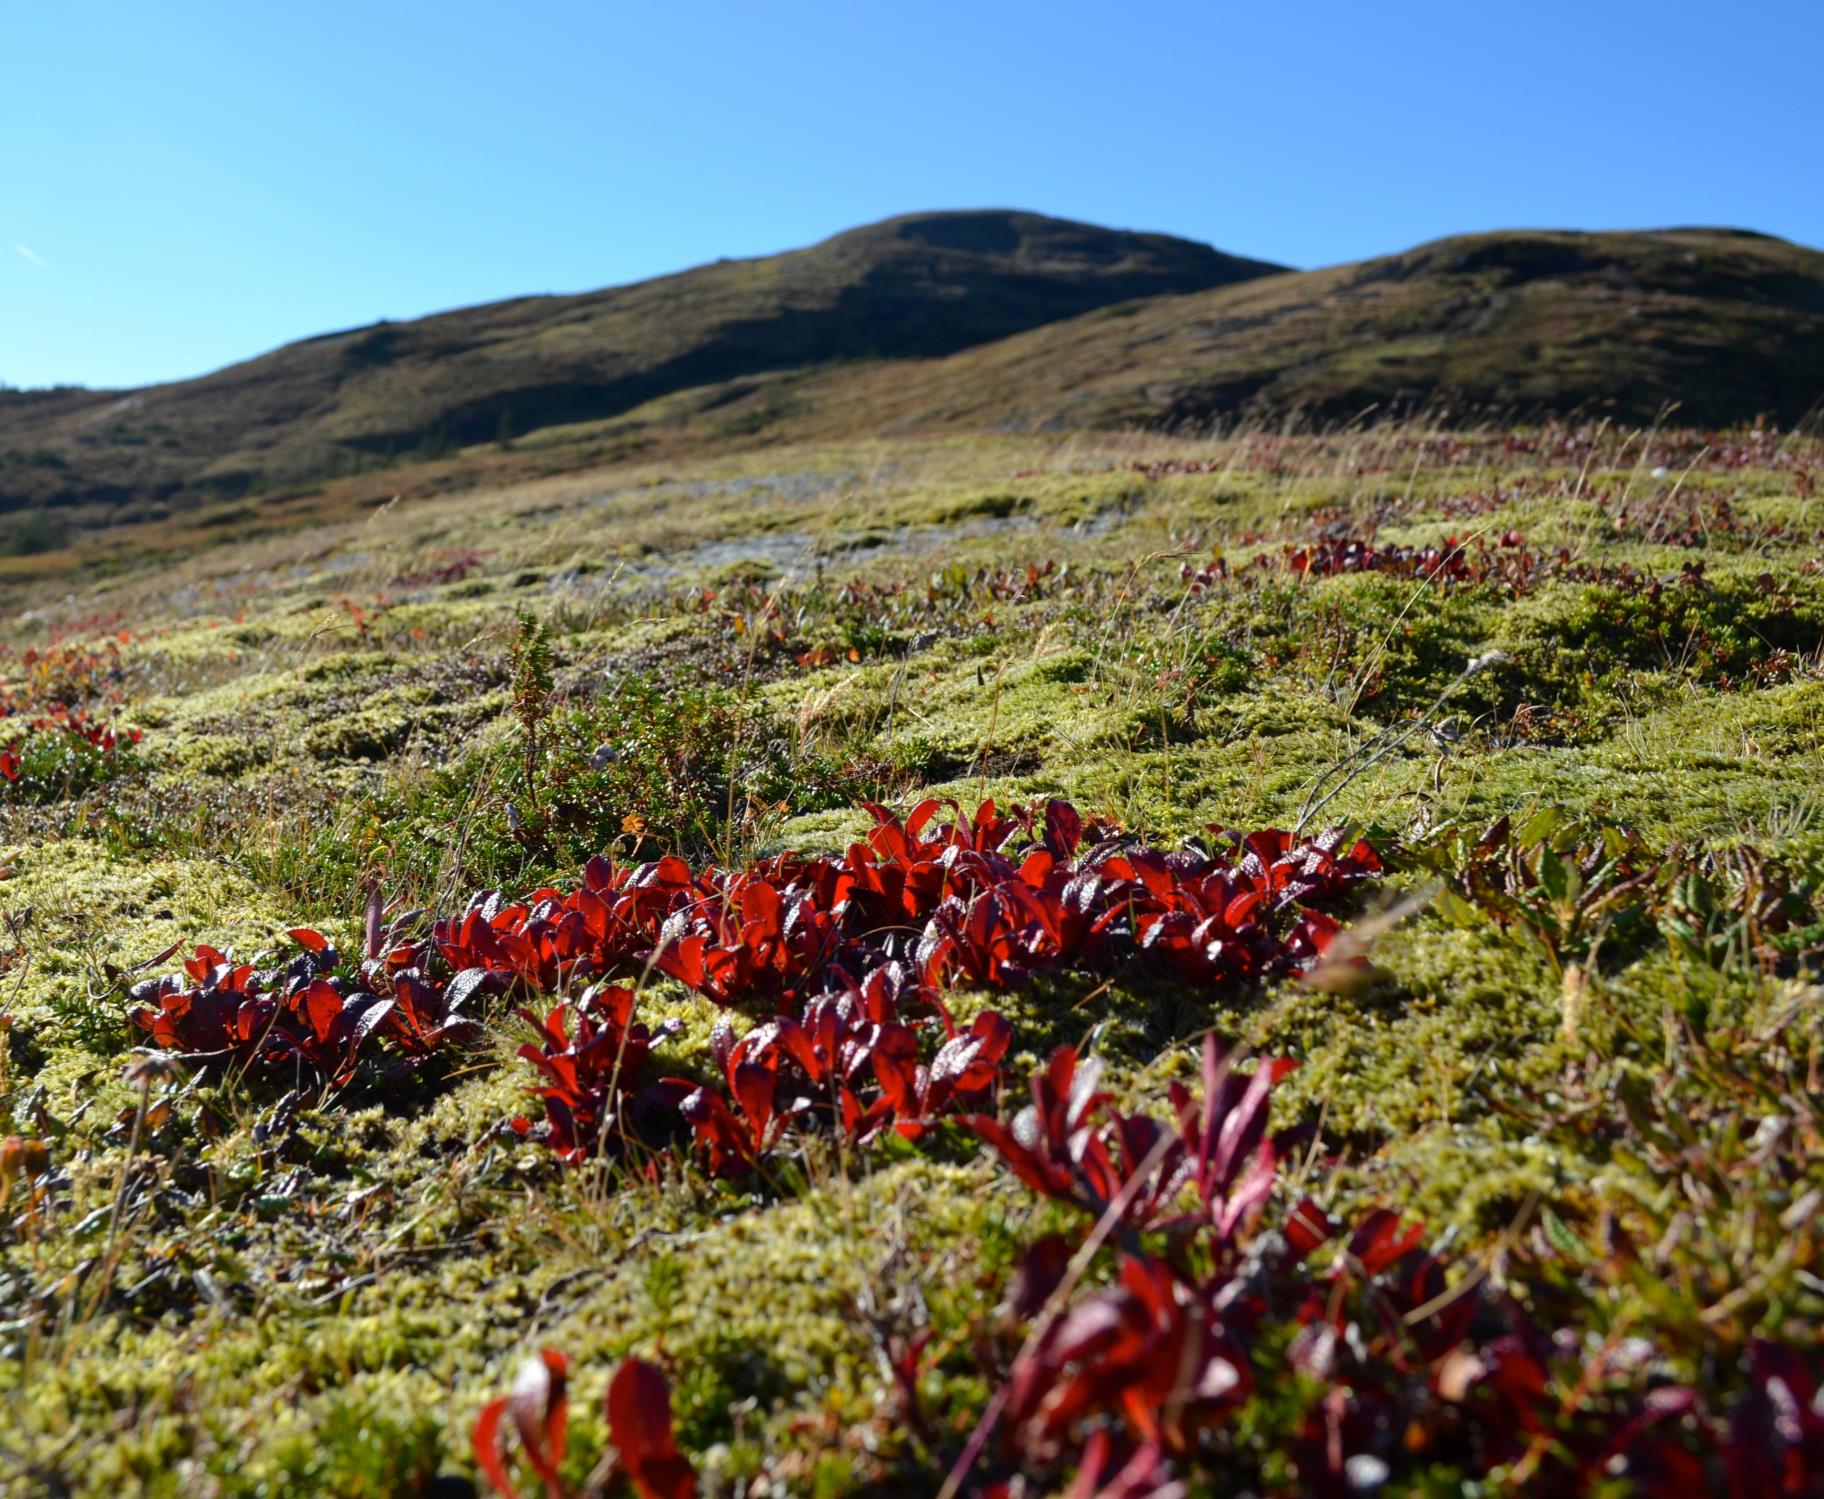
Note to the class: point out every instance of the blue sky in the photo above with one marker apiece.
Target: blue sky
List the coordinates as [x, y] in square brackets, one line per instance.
[183, 185]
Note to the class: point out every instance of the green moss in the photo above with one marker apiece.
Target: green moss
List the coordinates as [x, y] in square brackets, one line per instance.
[189, 755]
[377, 1266]
[88, 907]
[371, 733]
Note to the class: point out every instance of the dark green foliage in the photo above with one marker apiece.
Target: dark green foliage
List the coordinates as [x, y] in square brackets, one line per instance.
[53, 764]
[363, 1450]
[1714, 629]
[36, 532]
[531, 683]
[684, 768]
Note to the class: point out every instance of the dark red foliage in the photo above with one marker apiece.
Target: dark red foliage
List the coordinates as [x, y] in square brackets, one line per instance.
[955, 896]
[65, 729]
[1220, 921]
[1775, 1443]
[592, 1053]
[1504, 562]
[639, 1421]
[847, 956]
[1446, 562]
[1153, 1350]
[853, 1062]
[750, 941]
[638, 1407]
[1402, 1363]
[301, 1015]
[451, 567]
[231, 1011]
[540, 1409]
[1071, 1144]
[60, 718]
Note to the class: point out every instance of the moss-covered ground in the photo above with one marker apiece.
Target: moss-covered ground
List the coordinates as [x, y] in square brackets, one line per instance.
[231, 1284]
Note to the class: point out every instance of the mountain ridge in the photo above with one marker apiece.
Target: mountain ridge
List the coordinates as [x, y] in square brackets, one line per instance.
[912, 286]
[959, 319]
[1514, 325]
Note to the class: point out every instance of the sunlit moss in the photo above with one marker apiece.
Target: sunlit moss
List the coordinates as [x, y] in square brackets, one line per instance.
[369, 1278]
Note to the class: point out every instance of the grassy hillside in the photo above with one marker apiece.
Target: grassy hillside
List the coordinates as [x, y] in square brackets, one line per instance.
[915, 286]
[338, 1081]
[934, 323]
[1728, 326]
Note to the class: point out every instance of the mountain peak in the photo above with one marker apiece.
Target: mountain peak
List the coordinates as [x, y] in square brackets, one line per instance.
[990, 316]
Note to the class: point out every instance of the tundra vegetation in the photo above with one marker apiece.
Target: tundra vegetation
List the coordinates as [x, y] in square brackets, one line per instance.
[1284, 964]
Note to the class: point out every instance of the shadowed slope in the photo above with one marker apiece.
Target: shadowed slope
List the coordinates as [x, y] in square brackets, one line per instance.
[1729, 325]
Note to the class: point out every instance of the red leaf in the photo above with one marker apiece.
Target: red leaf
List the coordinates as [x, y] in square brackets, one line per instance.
[1307, 1227]
[371, 926]
[1063, 827]
[921, 815]
[754, 1086]
[486, 1441]
[541, 1413]
[321, 1007]
[639, 1421]
[1378, 1242]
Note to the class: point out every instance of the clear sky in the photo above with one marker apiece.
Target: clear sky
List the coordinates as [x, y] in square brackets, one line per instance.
[187, 184]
